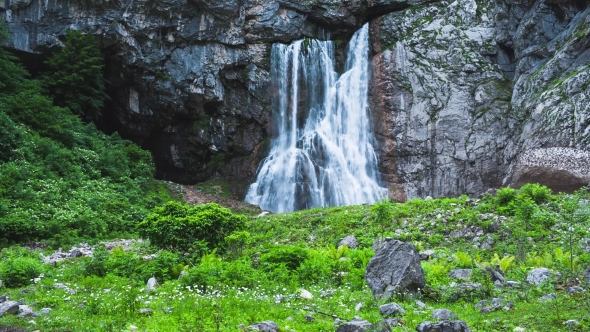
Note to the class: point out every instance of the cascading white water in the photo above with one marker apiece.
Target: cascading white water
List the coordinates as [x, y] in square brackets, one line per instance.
[323, 154]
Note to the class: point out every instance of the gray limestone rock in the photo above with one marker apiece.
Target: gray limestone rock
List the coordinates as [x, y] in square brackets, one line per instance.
[266, 326]
[548, 297]
[9, 308]
[45, 311]
[539, 275]
[461, 274]
[445, 326]
[349, 241]
[355, 325]
[151, 284]
[395, 267]
[391, 309]
[443, 314]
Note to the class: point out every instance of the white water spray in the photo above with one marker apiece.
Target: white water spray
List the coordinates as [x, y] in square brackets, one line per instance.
[323, 155]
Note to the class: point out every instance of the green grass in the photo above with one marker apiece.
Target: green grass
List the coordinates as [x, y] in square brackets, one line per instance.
[264, 268]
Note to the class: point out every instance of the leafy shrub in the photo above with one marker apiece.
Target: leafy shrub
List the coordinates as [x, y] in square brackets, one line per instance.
[289, 256]
[538, 193]
[462, 259]
[97, 265]
[18, 266]
[178, 226]
[505, 195]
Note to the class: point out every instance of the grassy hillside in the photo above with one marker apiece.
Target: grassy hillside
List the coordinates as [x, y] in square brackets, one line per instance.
[258, 271]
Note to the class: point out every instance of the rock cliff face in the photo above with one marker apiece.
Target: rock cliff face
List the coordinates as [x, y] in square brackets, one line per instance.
[460, 89]
[464, 89]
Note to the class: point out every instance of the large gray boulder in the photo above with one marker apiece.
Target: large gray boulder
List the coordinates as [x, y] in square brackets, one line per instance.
[9, 307]
[355, 325]
[395, 268]
[444, 326]
[540, 275]
[266, 326]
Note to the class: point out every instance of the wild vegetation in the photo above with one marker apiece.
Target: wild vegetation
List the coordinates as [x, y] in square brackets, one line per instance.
[62, 181]
[257, 272]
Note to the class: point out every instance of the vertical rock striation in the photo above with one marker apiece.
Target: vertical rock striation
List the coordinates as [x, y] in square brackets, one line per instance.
[461, 90]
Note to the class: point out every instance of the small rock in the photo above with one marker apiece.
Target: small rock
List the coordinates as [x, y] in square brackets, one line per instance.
[75, 252]
[428, 198]
[151, 285]
[309, 318]
[305, 294]
[146, 311]
[426, 254]
[498, 284]
[266, 326]
[64, 287]
[482, 217]
[421, 305]
[481, 304]
[571, 323]
[349, 241]
[461, 274]
[328, 293]
[547, 297]
[446, 326]
[391, 309]
[337, 322]
[3, 298]
[539, 275]
[496, 273]
[443, 314]
[519, 329]
[386, 324]
[45, 311]
[133, 328]
[355, 325]
[25, 311]
[263, 214]
[290, 319]
[241, 326]
[9, 307]
[358, 307]
[508, 306]
[512, 284]
[574, 290]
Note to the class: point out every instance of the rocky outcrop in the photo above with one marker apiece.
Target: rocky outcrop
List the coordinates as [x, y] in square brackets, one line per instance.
[395, 269]
[462, 91]
[563, 169]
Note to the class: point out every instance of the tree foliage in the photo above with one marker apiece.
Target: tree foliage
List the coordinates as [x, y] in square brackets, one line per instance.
[182, 227]
[76, 78]
[61, 179]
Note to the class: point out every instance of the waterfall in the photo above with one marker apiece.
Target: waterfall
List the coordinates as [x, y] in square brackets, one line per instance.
[323, 153]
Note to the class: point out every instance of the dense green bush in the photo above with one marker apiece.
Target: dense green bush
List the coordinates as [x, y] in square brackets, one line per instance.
[178, 226]
[289, 256]
[61, 179]
[19, 266]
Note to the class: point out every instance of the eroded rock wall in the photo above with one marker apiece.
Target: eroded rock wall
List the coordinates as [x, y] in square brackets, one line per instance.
[460, 88]
[463, 88]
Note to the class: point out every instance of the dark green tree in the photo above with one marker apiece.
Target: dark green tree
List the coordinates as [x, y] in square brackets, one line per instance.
[76, 77]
